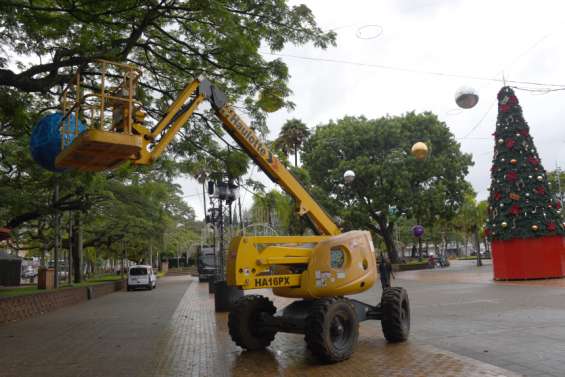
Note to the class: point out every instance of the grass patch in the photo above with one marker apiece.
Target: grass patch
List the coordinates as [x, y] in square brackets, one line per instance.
[29, 290]
[471, 258]
[21, 291]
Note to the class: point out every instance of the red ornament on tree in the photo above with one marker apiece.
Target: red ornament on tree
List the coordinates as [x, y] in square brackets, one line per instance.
[524, 132]
[510, 143]
[497, 196]
[540, 190]
[551, 226]
[511, 176]
[515, 209]
[504, 108]
[558, 204]
[532, 160]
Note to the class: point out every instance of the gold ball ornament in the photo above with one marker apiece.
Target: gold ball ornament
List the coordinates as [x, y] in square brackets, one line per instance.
[504, 224]
[419, 150]
[535, 227]
[500, 141]
[540, 178]
[513, 161]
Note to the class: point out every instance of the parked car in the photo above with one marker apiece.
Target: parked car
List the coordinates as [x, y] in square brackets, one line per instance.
[141, 276]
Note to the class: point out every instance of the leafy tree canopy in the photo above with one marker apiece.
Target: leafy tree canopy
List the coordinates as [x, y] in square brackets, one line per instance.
[387, 176]
[174, 41]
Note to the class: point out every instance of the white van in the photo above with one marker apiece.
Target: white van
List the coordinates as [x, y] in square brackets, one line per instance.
[141, 276]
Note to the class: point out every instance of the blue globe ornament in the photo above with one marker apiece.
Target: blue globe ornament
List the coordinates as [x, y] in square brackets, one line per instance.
[45, 142]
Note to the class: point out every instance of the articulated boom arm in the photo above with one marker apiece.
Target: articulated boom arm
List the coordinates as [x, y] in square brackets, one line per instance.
[179, 113]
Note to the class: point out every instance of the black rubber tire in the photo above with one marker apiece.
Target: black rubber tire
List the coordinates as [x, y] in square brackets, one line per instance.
[242, 322]
[332, 329]
[396, 314]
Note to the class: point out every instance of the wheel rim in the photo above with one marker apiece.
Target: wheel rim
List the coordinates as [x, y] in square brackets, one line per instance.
[341, 329]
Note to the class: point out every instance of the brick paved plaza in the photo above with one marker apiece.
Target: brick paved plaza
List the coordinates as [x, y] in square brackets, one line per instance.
[463, 324]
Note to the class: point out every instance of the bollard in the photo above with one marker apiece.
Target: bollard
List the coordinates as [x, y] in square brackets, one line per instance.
[225, 296]
[211, 284]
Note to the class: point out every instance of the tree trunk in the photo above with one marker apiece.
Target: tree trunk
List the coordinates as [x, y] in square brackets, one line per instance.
[477, 244]
[390, 247]
[387, 233]
[77, 248]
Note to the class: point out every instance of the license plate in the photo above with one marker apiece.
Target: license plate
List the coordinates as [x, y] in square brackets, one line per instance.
[273, 281]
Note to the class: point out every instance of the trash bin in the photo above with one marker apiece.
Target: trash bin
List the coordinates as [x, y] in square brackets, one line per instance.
[46, 278]
[10, 270]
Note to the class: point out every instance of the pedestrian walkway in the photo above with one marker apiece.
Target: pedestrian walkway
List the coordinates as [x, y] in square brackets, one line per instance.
[458, 329]
[197, 344]
[468, 272]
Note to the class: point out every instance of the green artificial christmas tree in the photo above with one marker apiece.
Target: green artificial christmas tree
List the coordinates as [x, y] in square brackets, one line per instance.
[520, 202]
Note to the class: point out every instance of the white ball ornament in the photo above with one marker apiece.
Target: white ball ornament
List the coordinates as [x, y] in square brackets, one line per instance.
[466, 97]
[349, 176]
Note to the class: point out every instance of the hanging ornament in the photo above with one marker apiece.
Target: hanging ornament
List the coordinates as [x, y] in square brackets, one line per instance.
[502, 159]
[518, 135]
[539, 178]
[504, 224]
[558, 204]
[497, 196]
[500, 141]
[513, 161]
[418, 231]
[527, 195]
[540, 190]
[530, 177]
[419, 150]
[535, 227]
[501, 205]
[466, 97]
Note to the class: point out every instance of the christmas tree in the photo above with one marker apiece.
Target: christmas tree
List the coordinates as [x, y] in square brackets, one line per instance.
[520, 200]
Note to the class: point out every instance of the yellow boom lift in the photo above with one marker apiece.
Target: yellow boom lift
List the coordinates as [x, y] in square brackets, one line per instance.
[318, 270]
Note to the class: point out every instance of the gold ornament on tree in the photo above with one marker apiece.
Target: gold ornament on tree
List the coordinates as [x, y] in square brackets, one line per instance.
[504, 224]
[535, 227]
[419, 150]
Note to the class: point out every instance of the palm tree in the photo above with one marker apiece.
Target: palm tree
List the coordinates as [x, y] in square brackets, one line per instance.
[292, 137]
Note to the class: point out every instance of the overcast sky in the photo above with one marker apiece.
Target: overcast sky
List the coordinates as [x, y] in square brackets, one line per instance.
[471, 38]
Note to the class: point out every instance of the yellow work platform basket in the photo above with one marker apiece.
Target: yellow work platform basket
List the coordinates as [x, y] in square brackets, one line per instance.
[109, 109]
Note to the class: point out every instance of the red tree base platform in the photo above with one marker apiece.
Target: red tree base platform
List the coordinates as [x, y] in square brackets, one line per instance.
[529, 258]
